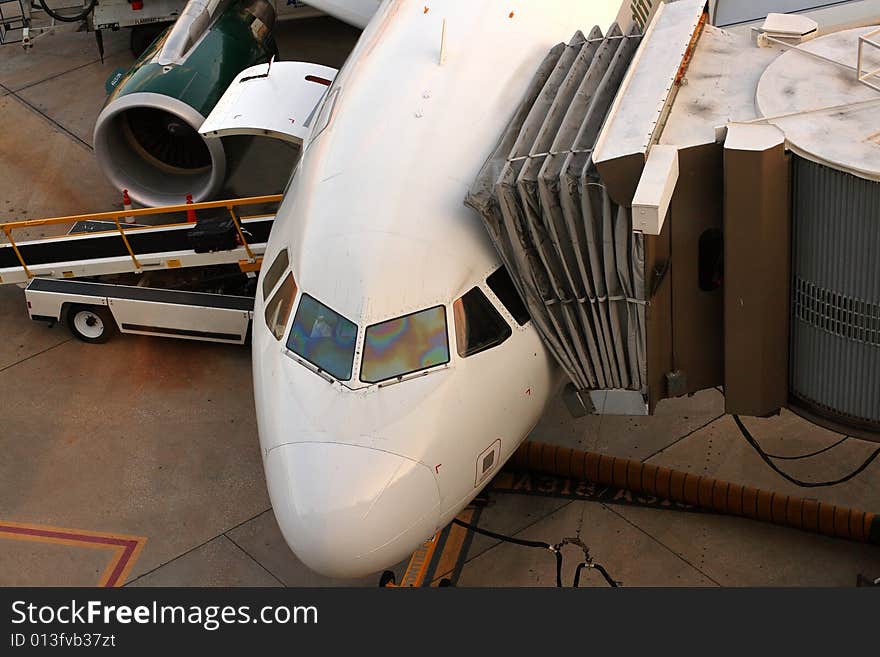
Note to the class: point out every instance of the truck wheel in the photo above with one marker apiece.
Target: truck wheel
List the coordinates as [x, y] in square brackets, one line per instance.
[91, 323]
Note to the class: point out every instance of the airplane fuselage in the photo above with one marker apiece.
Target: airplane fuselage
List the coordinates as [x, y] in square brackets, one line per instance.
[375, 429]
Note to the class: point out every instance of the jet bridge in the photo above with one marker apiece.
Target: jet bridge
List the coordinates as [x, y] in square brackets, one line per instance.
[703, 218]
[585, 247]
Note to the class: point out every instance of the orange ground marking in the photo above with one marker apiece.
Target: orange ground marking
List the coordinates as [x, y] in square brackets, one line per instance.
[125, 549]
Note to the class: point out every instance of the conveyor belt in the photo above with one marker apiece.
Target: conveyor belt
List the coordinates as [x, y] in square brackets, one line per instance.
[92, 246]
[134, 293]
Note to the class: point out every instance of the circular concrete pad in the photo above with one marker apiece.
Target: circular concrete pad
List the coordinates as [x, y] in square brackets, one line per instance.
[844, 138]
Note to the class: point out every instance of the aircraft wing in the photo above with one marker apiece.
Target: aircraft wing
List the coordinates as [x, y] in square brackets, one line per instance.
[279, 99]
[353, 12]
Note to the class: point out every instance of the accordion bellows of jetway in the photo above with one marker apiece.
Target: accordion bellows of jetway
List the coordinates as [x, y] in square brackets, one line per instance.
[694, 207]
[578, 263]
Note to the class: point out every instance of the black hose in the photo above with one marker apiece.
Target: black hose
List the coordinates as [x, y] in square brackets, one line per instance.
[605, 574]
[780, 457]
[502, 537]
[555, 549]
[804, 484]
[68, 19]
[518, 541]
[596, 566]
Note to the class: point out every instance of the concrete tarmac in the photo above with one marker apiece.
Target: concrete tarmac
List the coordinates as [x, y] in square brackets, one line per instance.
[154, 442]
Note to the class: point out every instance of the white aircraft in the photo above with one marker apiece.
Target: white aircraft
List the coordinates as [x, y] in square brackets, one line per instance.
[397, 370]
[353, 12]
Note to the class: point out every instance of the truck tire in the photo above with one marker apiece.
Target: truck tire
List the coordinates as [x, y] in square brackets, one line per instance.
[94, 324]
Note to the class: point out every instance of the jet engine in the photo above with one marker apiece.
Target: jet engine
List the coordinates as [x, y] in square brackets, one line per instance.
[146, 137]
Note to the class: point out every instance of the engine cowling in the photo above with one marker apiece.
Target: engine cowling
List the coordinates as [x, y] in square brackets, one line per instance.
[146, 136]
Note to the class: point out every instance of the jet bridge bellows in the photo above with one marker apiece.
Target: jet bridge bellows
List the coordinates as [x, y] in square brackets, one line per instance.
[568, 245]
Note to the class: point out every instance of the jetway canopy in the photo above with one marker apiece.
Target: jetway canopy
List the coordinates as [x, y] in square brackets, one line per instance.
[570, 248]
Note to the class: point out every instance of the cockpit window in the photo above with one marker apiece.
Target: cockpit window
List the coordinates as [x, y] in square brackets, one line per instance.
[273, 274]
[478, 326]
[278, 309]
[502, 285]
[323, 337]
[405, 345]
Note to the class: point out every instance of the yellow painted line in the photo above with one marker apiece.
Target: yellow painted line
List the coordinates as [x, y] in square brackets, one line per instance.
[126, 549]
[427, 561]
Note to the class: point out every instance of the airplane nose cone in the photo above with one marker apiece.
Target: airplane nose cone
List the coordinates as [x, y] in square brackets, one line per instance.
[348, 511]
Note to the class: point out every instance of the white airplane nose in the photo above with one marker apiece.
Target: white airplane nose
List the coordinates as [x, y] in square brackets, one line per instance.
[348, 511]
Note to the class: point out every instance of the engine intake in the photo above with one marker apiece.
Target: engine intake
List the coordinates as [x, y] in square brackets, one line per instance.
[146, 137]
[149, 144]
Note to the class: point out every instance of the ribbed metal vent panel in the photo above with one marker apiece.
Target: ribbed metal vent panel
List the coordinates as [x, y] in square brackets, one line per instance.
[835, 345]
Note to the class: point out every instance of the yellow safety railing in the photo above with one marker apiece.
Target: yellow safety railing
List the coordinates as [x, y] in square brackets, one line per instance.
[118, 217]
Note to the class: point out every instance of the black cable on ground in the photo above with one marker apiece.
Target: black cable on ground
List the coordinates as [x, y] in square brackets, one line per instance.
[602, 571]
[502, 537]
[555, 549]
[68, 19]
[517, 541]
[804, 484]
[780, 457]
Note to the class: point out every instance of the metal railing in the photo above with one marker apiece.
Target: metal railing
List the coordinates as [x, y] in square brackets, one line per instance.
[867, 77]
[118, 217]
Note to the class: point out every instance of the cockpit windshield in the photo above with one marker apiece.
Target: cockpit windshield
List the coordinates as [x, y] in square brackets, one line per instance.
[405, 345]
[323, 337]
